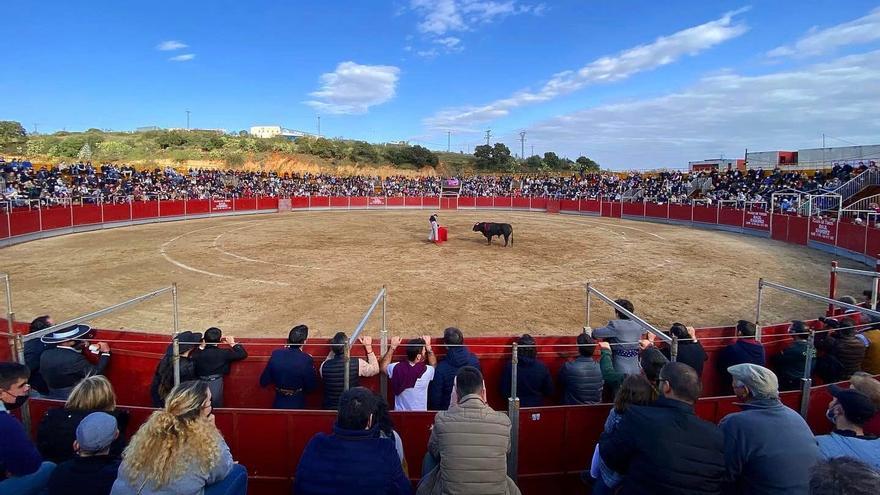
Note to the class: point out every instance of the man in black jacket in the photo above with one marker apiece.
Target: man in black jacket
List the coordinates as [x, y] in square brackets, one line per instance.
[581, 380]
[690, 350]
[93, 470]
[33, 350]
[163, 378]
[791, 361]
[64, 365]
[332, 370]
[457, 356]
[665, 447]
[291, 371]
[212, 362]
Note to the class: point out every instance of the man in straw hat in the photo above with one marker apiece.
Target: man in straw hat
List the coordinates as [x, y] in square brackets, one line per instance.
[759, 440]
[64, 365]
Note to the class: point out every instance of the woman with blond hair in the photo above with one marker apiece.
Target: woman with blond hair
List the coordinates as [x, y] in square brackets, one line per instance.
[57, 430]
[180, 451]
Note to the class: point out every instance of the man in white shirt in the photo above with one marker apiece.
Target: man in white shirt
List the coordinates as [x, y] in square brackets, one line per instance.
[410, 377]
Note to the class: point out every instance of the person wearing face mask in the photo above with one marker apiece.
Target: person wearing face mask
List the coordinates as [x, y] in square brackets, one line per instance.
[759, 440]
[849, 410]
[22, 470]
[65, 365]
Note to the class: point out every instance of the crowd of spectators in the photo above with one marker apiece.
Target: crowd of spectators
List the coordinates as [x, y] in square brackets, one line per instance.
[20, 181]
[652, 441]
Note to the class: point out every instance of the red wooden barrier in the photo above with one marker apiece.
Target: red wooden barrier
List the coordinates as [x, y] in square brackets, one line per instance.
[680, 212]
[823, 230]
[245, 204]
[569, 205]
[521, 203]
[299, 202]
[503, 202]
[172, 208]
[757, 220]
[320, 202]
[4, 225]
[538, 203]
[85, 215]
[396, 201]
[798, 230]
[24, 222]
[634, 209]
[359, 201]
[222, 205]
[851, 237]
[198, 206]
[654, 210]
[57, 217]
[265, 203]
[706, 214]
[376, 202]
[731, 216]
[467, 202]
[338, 202]
[431, 202]
[117, 212]
[144, 209]
[410, 201]
[590, 205]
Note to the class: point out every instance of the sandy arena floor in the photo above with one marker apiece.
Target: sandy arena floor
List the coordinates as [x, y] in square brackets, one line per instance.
[259, 275]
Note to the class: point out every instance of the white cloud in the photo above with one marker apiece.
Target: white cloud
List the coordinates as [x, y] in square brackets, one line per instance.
[662, 51]
[353, 88]
[724, 114]
[437, 18]
[816, 42]
[186, 57]
[170, 45]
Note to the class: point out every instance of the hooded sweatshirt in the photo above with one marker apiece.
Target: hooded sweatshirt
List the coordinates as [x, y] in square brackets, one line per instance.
[441, 387]
[533, 381]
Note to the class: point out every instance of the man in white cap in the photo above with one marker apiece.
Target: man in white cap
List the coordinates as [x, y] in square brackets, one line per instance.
[93, 470]
[768, 447]
[64, 365]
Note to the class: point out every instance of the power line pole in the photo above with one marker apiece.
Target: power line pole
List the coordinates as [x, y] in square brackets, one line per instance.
[533, 150]
[522, 145]
[488, 136]
[187, 119]
[448, 141]
[35, 127]
[319, 125]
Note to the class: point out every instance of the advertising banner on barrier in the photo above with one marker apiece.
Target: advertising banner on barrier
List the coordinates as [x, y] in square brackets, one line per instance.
[377, 201]
[221, 205]
[757, 220]
[823, 230]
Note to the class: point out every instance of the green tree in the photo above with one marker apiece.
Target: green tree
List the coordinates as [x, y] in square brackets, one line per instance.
[587, 165]
[12, 133]
[534, 162]
[113, 150]
[326, 148]
[492, 157]
[363, 152]
[552, 161]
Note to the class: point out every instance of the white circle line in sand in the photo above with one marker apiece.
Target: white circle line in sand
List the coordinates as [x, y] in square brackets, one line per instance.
[164, 253]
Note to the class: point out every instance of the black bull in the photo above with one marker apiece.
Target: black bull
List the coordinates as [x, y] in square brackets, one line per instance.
[490, 230]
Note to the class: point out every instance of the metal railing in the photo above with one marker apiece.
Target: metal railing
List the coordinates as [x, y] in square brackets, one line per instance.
[875, 282]
[383, 339]
[807, 379]
[862, 206]
[870, 177]
[590, 290]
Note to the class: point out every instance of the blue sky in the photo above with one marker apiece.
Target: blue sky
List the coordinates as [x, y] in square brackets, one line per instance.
[632, 84]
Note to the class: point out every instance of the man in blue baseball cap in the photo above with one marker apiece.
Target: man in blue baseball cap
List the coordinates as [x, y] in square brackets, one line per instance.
[93, 470]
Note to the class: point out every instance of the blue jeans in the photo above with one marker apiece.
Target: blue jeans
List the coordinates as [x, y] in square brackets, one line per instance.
[235, 483]
[31, 484]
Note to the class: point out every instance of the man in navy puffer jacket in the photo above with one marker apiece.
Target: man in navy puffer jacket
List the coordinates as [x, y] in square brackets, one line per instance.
[441, 386]
[352, 459]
